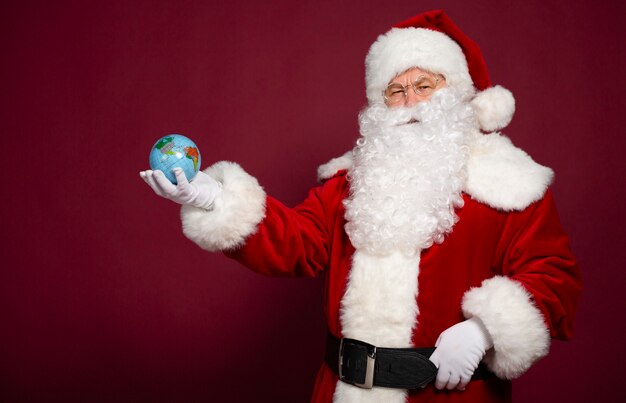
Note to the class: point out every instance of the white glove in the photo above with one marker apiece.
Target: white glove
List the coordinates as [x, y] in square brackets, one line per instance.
[460, 348]
[200, 192]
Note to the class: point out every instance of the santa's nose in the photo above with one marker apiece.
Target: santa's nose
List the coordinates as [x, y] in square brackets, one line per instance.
[412, 98]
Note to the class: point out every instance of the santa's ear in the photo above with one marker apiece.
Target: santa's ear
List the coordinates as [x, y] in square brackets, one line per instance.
[494, 108]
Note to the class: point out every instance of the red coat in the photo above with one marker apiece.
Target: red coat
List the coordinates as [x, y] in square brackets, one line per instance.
[524, 256]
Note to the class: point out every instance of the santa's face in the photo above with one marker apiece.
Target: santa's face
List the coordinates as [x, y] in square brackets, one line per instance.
[412, 86]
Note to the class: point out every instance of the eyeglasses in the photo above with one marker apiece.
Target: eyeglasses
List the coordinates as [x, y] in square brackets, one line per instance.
[423, 85]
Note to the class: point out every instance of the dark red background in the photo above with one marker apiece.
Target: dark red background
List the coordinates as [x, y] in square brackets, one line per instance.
[101, 296]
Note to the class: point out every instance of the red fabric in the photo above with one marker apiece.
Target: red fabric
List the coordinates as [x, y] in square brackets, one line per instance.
[437, 20]
[529, 246]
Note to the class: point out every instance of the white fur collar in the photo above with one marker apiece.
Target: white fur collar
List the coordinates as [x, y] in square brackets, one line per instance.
[498, 173]
[329, 169]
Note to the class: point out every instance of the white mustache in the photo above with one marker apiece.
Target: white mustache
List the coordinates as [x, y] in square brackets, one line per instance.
[441, 102]
[390, 117]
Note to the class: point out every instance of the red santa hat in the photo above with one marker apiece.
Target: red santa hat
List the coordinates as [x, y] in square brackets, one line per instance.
[431, 41]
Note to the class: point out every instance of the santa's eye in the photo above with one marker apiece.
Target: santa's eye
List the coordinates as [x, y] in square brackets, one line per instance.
[394, 92]
[424, 85]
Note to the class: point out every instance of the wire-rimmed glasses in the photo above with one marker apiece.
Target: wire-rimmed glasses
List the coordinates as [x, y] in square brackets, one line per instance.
[424, 85]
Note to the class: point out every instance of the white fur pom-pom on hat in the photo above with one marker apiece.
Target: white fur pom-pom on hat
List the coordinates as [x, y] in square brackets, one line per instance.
[494, 108]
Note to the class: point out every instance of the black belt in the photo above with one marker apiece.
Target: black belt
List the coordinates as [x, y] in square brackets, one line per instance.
[364, 365]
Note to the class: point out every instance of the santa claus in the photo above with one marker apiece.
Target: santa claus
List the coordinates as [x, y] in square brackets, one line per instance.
[447, 270]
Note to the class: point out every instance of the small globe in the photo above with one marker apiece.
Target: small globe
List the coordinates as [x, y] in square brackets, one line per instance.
[175, 151]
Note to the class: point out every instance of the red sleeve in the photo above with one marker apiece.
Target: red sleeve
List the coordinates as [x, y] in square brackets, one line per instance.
[292, 241]
[534, 297]
[539, 257]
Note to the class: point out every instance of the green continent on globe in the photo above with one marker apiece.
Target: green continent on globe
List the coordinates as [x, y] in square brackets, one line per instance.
[164, 141]
[165, 145]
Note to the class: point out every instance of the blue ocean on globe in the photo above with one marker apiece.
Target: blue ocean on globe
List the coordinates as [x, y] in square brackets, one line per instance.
[175, 151]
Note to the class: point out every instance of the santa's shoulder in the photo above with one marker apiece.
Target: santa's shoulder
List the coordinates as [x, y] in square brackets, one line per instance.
[334, 167]
[499, 174]
[504, 176]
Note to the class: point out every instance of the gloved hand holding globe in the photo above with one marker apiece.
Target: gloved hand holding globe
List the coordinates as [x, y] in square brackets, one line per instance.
[175, 173]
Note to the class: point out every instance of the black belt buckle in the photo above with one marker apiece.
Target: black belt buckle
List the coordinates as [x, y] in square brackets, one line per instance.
[356, 363]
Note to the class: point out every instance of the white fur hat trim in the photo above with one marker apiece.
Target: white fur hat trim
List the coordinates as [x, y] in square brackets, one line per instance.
[403, 48]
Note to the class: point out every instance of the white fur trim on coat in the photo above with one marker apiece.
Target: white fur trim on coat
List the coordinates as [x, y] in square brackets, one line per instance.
[403, 48]
[503, 176]
[494, 108]
[329, 169]
[380, 308]
[237, 210]
[520, 336]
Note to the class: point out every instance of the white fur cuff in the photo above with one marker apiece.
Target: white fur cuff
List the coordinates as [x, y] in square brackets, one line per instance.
[236, 212]
[520, 336]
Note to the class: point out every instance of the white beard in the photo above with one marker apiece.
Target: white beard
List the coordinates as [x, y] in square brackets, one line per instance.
[407, 177]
